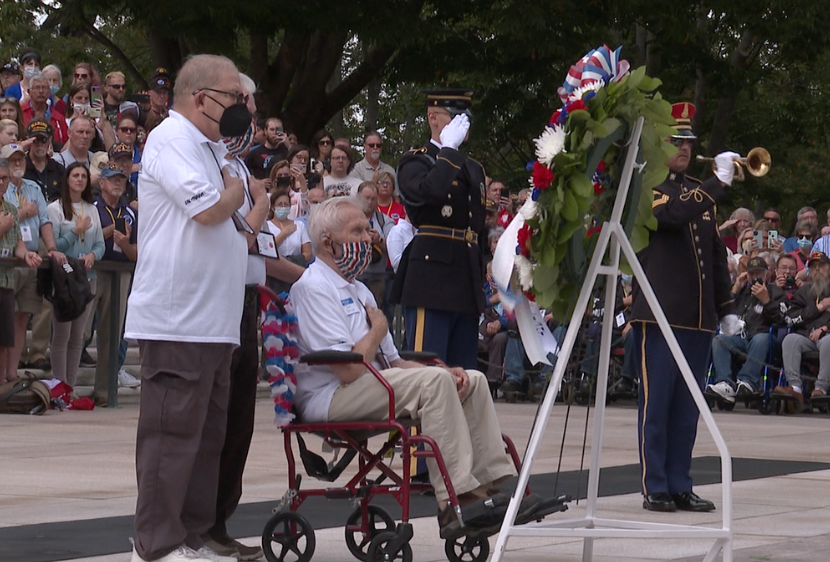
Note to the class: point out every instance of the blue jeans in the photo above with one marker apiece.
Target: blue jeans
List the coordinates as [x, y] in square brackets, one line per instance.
[514, 362]
[755, 349]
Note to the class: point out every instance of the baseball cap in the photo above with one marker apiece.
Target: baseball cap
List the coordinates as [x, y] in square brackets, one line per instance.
[10, 66]
[818, 256]
[161, 80]
[39, 128]
[120, 149]
[13, 148]
[111, 171]
[99, 160]
[756, 263]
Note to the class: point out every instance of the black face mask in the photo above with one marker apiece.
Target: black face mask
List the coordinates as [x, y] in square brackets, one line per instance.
[235, 119]
[283, 181]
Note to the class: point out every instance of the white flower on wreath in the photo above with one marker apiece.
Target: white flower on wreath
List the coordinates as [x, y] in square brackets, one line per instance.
[529, 210]
[551, 143]
[525, 270]
[580, 92]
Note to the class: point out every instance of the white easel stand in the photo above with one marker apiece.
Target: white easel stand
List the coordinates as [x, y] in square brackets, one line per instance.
[613, 239]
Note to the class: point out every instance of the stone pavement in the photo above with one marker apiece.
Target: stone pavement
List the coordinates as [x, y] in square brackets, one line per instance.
[66, 467]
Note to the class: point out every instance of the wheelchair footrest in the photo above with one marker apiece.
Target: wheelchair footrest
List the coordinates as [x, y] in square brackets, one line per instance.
[545, 508]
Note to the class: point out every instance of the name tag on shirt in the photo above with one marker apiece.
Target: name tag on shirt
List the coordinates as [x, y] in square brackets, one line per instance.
[349, 306]
[5, 253]
[26, 232]
[267, 246]
[620, 319]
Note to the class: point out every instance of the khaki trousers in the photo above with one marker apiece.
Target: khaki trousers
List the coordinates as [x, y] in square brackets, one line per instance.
[467, 433]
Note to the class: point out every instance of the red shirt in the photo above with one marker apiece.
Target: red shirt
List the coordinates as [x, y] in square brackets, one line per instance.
[61, 129]
[393, 210]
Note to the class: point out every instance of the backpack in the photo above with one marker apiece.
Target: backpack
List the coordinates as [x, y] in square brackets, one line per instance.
[66, 287]
[24, 396]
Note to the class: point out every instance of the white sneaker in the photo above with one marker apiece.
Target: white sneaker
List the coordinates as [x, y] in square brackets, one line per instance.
[210, 554]
[125, 379]
[722, 389]
[744, 389]
[181, 554]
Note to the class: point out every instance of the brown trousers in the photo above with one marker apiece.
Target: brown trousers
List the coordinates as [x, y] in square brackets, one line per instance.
[181, 430]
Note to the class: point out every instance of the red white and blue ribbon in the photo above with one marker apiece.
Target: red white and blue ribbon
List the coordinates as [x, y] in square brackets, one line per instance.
[281, 354]
[600, 64]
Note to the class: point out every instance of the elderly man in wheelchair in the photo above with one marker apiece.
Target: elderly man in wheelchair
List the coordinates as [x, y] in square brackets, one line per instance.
[336, 312]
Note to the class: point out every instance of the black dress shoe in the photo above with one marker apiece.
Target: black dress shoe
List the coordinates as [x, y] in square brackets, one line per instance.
[689, 501]
[659, 502]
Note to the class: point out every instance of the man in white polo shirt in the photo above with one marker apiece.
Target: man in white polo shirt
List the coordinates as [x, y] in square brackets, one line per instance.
[337, 312]
[185, 309]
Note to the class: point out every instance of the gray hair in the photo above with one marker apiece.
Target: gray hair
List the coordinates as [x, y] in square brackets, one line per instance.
[81, 117]
[742, 212]
[198, 72]
[327, 217]
[247, 83]
[56, 70]
[803, 210]
[495, 233]
[39, 77]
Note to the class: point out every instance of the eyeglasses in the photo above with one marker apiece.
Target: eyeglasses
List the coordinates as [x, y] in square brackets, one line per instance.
[127, 129]
[374, 144]
[325, 142]
[678, 141]
[238, 96]
[772, 219]
[385, 183]
[41, 88]
[117, 86]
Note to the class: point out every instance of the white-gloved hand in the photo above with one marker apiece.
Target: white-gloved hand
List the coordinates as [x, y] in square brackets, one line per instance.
[731, 325]
[455, 132]
[725, 162]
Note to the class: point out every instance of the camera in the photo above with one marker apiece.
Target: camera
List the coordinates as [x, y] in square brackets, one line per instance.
[757, 281]
[789, 282]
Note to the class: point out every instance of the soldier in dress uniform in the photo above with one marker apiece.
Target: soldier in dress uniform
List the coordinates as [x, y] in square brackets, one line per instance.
[685, 262]
[440, 281]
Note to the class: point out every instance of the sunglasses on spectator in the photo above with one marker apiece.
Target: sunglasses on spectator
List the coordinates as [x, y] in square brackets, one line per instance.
[678, 141]
[41, 140]
[127, 129]
[84, 75]
[772, 219]
[325, 142]
[374, 144]
[117, 86]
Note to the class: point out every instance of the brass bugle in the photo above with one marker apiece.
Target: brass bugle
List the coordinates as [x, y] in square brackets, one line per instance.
[757, 162]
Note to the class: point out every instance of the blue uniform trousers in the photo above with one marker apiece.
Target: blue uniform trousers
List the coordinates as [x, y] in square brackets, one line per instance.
[452, 335]
[667, 413]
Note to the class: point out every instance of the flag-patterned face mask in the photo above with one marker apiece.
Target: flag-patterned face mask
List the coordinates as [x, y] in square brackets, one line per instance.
[238, 145]
[354, 259]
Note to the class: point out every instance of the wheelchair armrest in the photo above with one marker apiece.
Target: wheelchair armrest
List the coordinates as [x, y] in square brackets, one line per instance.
[331, 357]
[418, 356]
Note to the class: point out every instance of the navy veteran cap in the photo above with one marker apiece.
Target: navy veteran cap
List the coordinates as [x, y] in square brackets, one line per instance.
[756, 263]
[120, 149]
[39, 128]
[454, 100]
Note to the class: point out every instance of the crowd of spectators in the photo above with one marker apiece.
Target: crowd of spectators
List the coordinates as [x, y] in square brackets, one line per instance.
[73, 149]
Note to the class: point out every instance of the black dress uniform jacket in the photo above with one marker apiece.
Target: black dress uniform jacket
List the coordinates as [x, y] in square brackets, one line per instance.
[685, 260]
[443, 188]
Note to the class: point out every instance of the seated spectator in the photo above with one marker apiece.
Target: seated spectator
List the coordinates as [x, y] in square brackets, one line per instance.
[732, 230]
[370, 167]
[320, 152]
[337, 312]
[786, 269]
[806, 233]
[338, 180]
[378, 275]
[386, 200]
[8, 132]
[493, 328]
[758, 304]
[41, 169]
[78, 235]
[804, 214]
[37, 107]
[399, 238]
[11, 245]
[809, 317]
[81, 132]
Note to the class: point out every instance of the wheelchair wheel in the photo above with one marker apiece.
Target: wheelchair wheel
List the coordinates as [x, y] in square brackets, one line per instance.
[293, 536]
[358, 541]
[467, 549]
[380, 551]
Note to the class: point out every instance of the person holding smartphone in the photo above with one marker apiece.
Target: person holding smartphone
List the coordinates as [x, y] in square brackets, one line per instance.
[262, 159]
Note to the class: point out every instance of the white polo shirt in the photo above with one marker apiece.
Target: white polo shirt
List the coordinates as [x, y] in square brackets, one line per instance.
[331, 315]
[189, 279]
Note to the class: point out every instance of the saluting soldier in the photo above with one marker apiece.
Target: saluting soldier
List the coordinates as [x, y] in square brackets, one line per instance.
[440, 281]
[685, 262]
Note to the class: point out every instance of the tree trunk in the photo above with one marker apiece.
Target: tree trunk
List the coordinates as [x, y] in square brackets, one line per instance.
[723, 114]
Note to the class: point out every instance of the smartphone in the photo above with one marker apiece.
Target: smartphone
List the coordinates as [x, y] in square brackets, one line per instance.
[505, 192]
[121, 225]
[94, 112]
[759, 239]
[772, 238]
